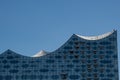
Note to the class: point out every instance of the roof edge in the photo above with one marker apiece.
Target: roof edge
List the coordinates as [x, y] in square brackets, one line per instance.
[96, 37]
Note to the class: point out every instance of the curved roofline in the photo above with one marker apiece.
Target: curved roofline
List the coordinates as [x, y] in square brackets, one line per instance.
[40, 54]
[96, 37]
[13, 52]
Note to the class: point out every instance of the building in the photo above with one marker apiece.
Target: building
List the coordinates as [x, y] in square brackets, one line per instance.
[80, 58]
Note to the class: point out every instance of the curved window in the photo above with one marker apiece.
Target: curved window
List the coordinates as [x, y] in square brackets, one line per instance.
[77, 70]
[55, 77]
[43, 70]
[24, 76]
[4, 61]
[27, 71]
[105, 43]
[101, 52]
[106, 61]
[70, 66]
[25, 65]
[107, 56]
[89, 61]
[82, 56]
[64, 75]
[14, 61]
[76, 43]
[40, 77]
[8, 77]
[115, 70]
[89, 69]
[82, 43]
[33, 65]
[83, 70]
[75, 61]
[76, 56]
[112, 39]
[67, 47]
[89, 75]
[76, 47]
[115, 56]
[70, 42]
[82, 48]
[108, 70]
[109, 52]
[101, 75]
[7, 66]
[13, 71]
[95, 56]
[88, 43]
[32, 77]
[110, 75]
[9, 57]
[88, 52]
[110, 66]
[50, 61]
[1, 57]
[71, 52]
[88, 56]
[71, 57]
[83, 75]
[74, 39]
[1, 77]
[94, 43]
[58, 57]
[95, 70]
[110, 47]
[74, 76]
[76, 51]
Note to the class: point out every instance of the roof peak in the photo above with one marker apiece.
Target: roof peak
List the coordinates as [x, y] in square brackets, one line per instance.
[41, 53]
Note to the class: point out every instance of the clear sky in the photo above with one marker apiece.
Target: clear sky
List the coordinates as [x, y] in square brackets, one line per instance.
[28, 26]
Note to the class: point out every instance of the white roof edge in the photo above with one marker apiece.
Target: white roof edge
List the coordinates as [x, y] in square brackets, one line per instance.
[96, 37]
[41, 53]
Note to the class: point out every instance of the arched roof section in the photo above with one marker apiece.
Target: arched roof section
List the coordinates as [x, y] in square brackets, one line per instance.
[96, 37]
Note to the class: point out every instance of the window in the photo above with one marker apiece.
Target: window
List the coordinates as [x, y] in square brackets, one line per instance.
[88, 47]
[76, 47]
[7, 66]
[55, 77]
[77, 70]
[70, 66]
[9, 57]
[71, 52]
[14, 61]
[13, 71]
[50, 61]
[58, 57]
[25, 65]
[76, 43]
[75, 61]
[76, 56]
[94, 51]
[64, 75]
[4, 61]
[8, 77]
[1, 77]
[74, 76]
[67, 47]
[43, 70]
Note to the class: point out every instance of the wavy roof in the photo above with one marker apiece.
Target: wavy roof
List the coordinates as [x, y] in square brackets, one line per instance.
[42, 52]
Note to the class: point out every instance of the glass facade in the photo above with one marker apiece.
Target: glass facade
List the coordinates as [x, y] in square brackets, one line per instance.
[77, 59]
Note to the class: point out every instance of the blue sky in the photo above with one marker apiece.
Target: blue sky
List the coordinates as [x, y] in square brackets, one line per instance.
[28, 26]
